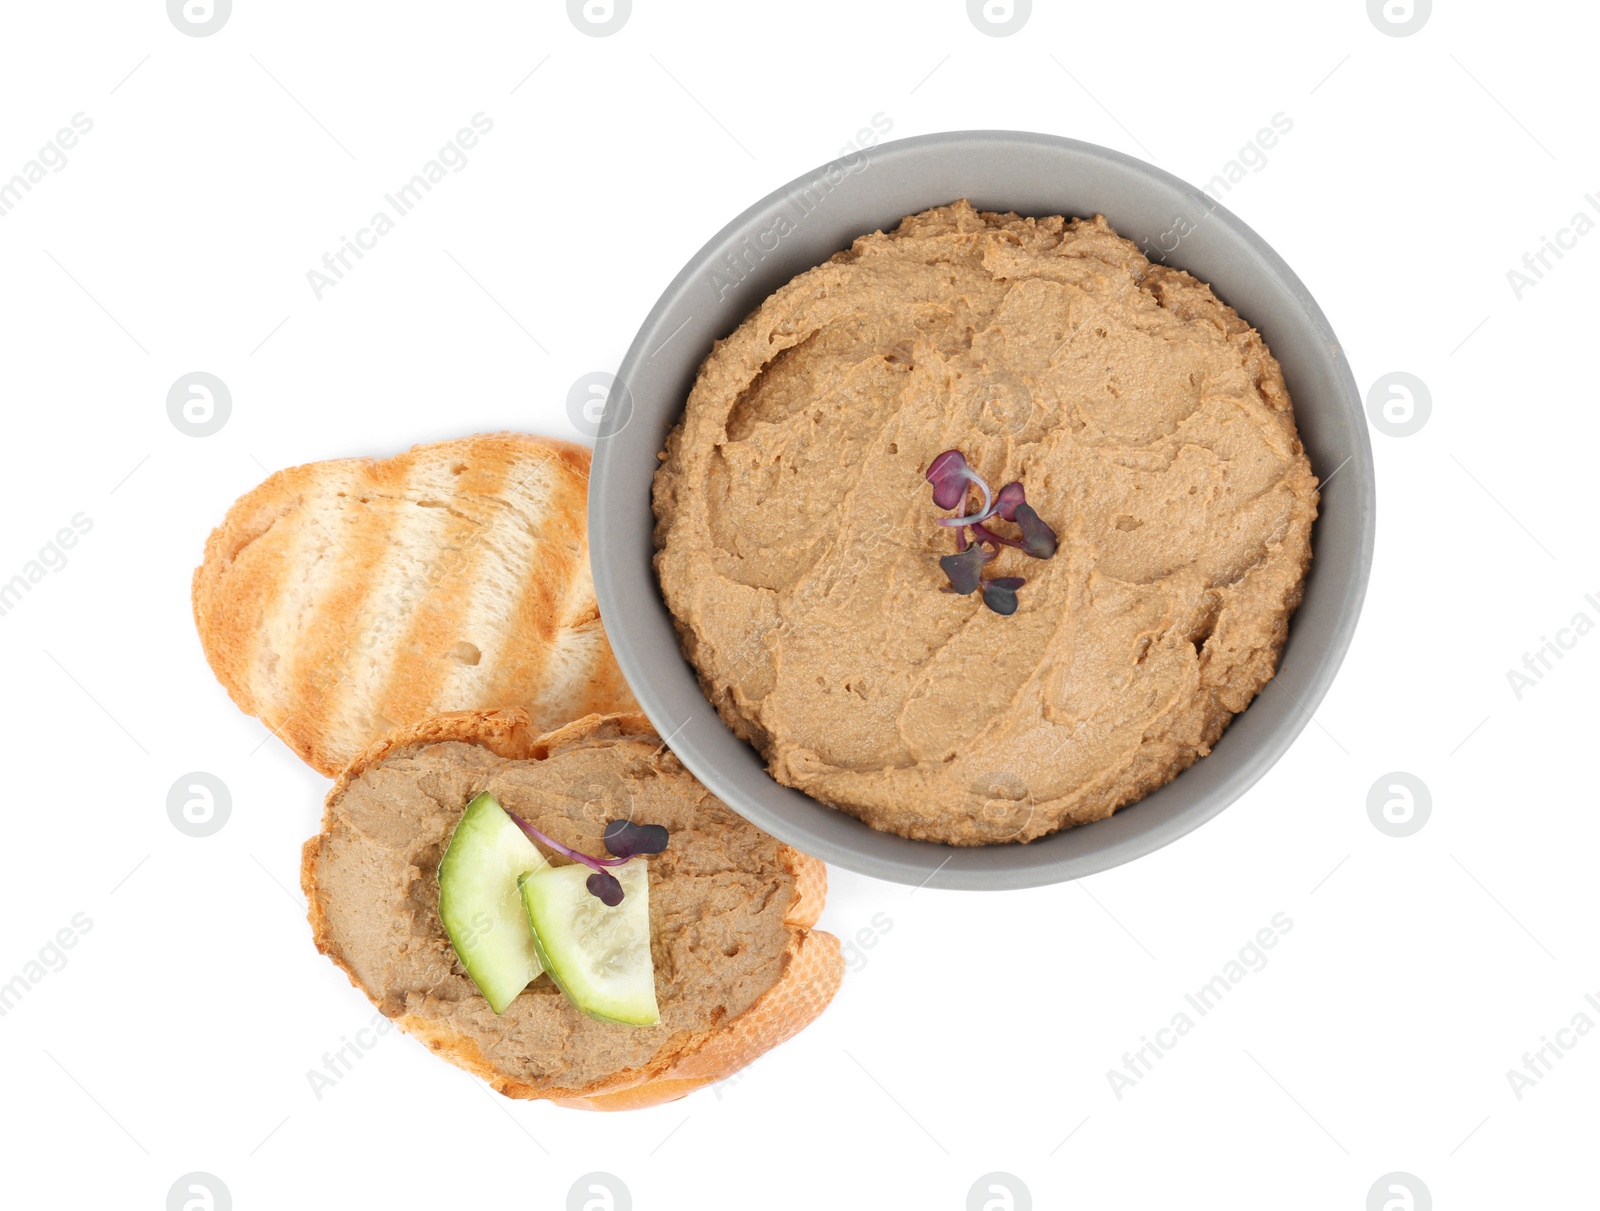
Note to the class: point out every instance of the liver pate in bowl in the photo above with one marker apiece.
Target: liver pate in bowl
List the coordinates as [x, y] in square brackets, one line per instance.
[1075, 333]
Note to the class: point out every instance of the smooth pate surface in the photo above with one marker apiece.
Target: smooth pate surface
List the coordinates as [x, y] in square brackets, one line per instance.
[718, 897]
[798, 550]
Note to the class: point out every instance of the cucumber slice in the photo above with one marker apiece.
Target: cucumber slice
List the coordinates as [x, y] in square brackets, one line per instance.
[479, 903]
[598, 956]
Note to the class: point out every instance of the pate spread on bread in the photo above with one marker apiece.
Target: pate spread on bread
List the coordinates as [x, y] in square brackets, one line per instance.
[738, 966]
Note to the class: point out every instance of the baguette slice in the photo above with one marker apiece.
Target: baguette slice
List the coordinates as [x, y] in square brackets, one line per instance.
[340, 599]
[739, 966]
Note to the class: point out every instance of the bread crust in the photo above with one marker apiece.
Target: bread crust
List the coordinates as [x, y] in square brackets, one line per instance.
[339, 599]
[812, 963]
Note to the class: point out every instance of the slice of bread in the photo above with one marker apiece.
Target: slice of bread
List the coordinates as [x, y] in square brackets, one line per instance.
[341, 599]
[739, 966]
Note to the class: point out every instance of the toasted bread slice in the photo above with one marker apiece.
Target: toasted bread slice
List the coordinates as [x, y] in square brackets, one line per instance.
[341, 599]
[739, 966]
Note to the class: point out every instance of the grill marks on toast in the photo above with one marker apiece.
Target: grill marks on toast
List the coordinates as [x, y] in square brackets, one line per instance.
[514, 605]
[551, 544]
[340, 599]
[578, 652]
[324, 641]
[425, 565]
[265, 591]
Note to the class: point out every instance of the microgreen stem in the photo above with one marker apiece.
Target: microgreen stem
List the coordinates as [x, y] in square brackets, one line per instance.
[982, 533]
[982, 514]
[597, 864]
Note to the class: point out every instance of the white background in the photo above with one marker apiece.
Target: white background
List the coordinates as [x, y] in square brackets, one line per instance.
[975, 1035]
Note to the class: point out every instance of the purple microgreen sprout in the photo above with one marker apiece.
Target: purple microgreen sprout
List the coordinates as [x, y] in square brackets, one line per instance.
[951, 477]
[1000, 594]
[1038, 539]
[630, 838]
[566, 851]
[625, 839]
[965, 569]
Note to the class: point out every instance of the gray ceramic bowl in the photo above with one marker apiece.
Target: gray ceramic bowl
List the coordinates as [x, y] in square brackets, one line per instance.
[827, 209]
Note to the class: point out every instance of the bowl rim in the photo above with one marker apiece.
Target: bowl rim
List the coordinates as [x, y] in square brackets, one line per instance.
[655, 676]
